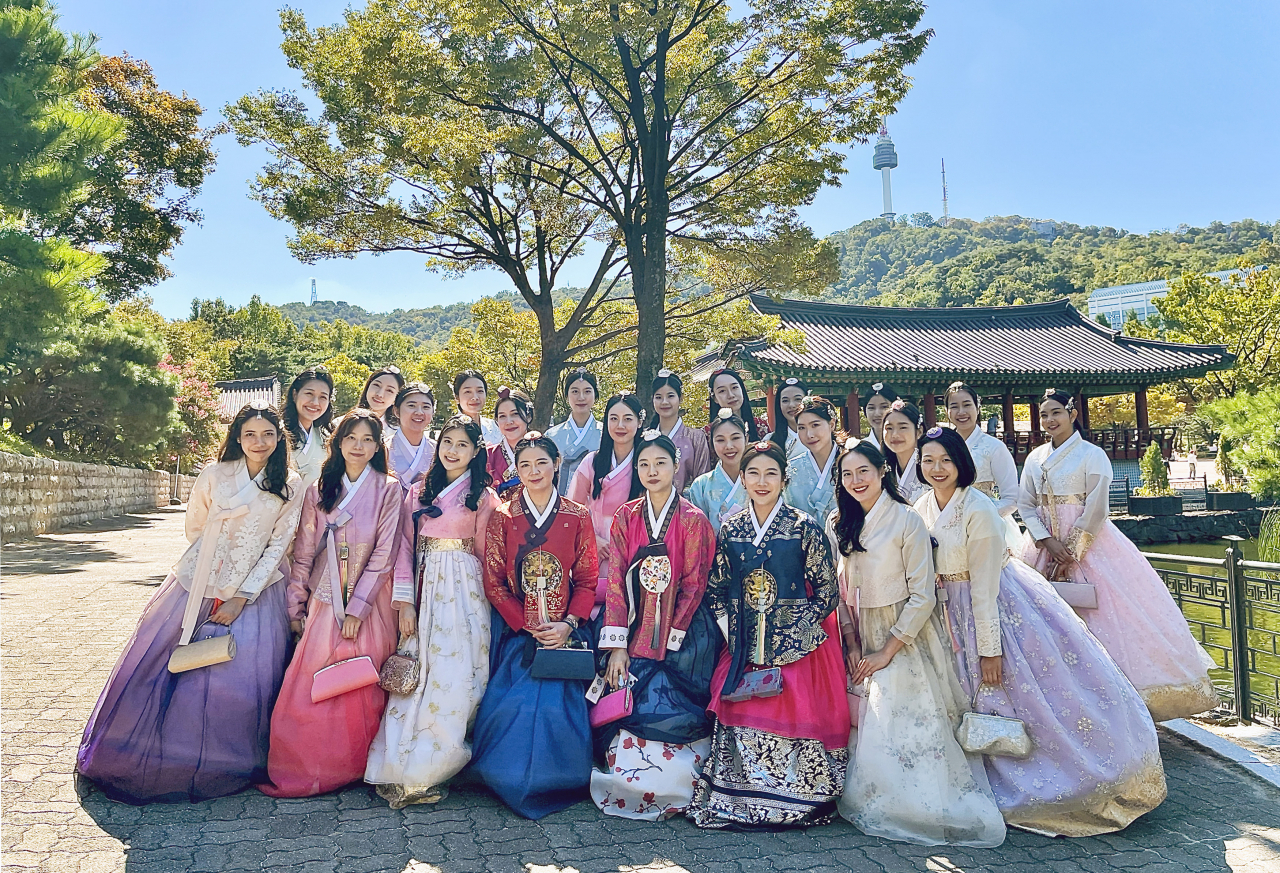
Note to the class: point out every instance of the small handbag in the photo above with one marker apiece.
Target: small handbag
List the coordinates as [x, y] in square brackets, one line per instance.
[399, 673]
[612, 707]
[1079, 595]
[564, 663]
[349, 675]
[757, 683]
[986, 734]
[203, 653]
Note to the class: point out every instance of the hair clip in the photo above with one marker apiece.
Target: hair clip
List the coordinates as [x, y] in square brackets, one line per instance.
[920, 420]
[643, 413]
[581, 370]
[762, 446]
[808, 400]
[259, 404]
[720, 371]
[898, 404]
[650, 435]
[533, 436]
[504, 393]
[677, 455]
[934, 432]
[725, 413]
[392, 369]
[664, 373]
[852, 443]
[791, 380]
[879, 386]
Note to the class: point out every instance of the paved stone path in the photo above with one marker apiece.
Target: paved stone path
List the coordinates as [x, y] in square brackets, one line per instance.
[71, 599]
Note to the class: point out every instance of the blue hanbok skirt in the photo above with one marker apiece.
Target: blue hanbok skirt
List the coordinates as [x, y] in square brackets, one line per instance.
[532, 741]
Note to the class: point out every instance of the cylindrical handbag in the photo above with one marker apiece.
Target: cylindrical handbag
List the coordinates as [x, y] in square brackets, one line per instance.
[203, 653]
[985, 734]
[399, 673]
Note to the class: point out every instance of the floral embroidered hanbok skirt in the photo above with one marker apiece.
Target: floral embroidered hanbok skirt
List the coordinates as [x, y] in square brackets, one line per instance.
[422, 742]
[908, 778]
[1137, 621]
[1095, 762]
[161, 736]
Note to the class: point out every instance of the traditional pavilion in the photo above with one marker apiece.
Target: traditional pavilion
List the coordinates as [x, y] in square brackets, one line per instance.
[1009, 354]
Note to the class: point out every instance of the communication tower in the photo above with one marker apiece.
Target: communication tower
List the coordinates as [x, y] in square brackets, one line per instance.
[946, 216]
[884, 160]
[313, 292]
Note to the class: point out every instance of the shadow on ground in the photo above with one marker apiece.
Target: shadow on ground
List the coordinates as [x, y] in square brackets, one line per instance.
[72, 549]
[1217, 818]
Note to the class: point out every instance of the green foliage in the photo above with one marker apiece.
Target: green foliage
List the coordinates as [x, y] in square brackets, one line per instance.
[1250, 428]
[348, 380]
[1155, 477]
[1013, 259]
[1269, 535]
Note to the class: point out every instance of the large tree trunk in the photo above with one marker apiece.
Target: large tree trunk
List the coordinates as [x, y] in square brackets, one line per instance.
[551, 364]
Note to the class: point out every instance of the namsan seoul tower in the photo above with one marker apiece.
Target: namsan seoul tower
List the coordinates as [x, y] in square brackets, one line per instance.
[884, 160]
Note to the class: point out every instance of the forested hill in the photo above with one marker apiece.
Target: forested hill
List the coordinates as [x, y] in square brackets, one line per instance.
[1004, 260]
[916, 262]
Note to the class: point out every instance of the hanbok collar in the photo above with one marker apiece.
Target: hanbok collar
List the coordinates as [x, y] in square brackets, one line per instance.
[310, 438]
[734, 484]
[973, 439]
[351, 488]
[539, 519]
[824, 472]
[762, 529]
[879, 508]
[955, 507]
[417, 451]
[655, 524]
[624, 464]
[580, 433]
[1056, 455]
[509, 453]
[675, 428]
[453, 486]
[244, 481]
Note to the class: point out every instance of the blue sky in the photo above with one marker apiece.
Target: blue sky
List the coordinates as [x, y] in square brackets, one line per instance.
[1135, 114]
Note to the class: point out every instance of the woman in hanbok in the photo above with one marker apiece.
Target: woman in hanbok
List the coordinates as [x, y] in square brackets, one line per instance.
[719, 493]
[902, 427]
[579, 434]
[778, 759]
[729, 391]
[786, 405]
[201, 733]
[532, 741]
[908, 778]
[606, 478]
[812, 487]
[876, 406]
[997, 475]
[308, 409]
[663, 644]
[512, 413]
[379, 396]
[695, 452]
[411, 449]
[438, 591]
[339, 600]
[1064, 504]
[1023, 654]
[470, 393]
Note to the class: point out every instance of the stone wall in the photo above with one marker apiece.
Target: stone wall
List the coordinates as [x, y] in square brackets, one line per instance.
[38, 495]
[1190, 527]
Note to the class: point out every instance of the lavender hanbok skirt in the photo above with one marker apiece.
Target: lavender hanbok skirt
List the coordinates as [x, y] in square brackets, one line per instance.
[1095, 762]
[161, 736]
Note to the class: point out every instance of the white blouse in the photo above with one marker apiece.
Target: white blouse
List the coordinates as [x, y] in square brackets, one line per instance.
[309, 457]
[1077, 472]
[997, 474]
[971, 546]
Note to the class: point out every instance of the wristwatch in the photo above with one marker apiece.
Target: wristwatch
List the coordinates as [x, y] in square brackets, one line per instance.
[571, 621]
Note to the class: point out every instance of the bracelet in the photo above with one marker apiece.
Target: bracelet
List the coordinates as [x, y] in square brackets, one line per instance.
[571, 621]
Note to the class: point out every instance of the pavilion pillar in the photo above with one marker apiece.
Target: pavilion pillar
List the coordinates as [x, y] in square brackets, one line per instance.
[1082, 410]
[768, 401]
[1035, 421]
[1140, 406]
[1007, 414]
[930, 410]
[853, 414]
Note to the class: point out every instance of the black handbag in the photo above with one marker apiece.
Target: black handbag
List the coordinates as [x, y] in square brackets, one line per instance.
[564, 663]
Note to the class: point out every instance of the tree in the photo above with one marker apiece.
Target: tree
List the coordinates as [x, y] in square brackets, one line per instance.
[348, 381]
[671, 122]
[1250, 427]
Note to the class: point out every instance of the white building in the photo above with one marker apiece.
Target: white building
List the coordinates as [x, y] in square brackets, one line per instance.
[1121, 302]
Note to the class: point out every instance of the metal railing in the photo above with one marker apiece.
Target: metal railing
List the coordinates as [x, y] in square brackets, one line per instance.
[1233, 608]
[1194, 492]
[1118, 496]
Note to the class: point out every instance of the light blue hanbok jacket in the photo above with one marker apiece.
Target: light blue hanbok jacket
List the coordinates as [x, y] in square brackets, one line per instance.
[717, 496]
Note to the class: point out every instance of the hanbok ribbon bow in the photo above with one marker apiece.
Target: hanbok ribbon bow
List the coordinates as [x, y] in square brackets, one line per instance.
[204, 566]
[331, 559]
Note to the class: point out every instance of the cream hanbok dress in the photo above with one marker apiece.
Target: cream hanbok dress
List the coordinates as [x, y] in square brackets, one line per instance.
[996, 475]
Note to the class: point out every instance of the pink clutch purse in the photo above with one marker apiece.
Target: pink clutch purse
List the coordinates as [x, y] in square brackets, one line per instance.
[612, 707]
[757, 683]
[349, 675]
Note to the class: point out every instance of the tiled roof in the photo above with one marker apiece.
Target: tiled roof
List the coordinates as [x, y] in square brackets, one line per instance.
[1033, 345]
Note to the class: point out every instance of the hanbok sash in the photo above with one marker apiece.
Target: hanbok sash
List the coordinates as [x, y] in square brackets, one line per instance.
[1054, 459]
[236, 507]
[330, 546]
[737, 594]
[510, 478]
[728, 506]
[650, 566]
[434, 511]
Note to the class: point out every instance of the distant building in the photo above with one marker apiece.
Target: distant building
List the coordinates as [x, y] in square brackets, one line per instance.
[1121, 302]
[235, 393]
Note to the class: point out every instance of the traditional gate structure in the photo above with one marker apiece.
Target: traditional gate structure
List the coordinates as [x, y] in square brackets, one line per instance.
[1010, 354]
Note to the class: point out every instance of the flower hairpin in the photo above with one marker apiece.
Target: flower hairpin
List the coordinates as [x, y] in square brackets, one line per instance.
[650, 435]
[504, 393]
[852, 443]
[934, 432]
[762, 446]
[725, 414]
[898, 404]
[533, 436]
[664, 373]
[259, 404]
[643, 415]
[392, 369]
[791, 380]
[879, 386]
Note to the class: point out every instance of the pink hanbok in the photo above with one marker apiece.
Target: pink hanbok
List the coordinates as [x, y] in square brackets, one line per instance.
[1064, 495]
[319, 747]
[695, 454]
[615, 490]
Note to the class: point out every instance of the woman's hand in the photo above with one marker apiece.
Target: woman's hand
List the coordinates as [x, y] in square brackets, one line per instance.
[877, 661]
[852, 654]
[553, 634]
[229, 611]
[992, 672]
[616, 673]
[1056, 550]
[408, 620]
[297, 626]
[350, 627]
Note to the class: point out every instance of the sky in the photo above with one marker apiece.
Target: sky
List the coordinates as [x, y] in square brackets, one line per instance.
[1136, 114]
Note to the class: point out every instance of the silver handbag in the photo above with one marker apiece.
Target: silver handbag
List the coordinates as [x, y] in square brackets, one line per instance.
[985, 734]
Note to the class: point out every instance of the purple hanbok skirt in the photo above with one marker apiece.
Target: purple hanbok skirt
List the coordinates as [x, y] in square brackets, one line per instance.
[1095, 762]
[161, 736]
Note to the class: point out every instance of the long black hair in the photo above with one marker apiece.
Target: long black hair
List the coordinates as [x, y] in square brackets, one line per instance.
[275, 476]
[780, 426]
[311, 374]
[910, 412]
[850, 516]
[437, 478]
[363, 403]
[335, 465]
[746, 413]
[1069, 401]
[602, 464]
[957, 449]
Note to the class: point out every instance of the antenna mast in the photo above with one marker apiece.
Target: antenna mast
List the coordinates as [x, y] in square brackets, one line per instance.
[313, 292]
[946, 216]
